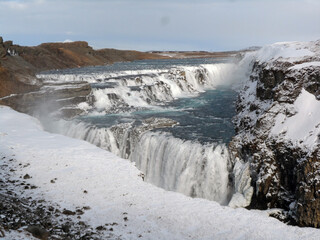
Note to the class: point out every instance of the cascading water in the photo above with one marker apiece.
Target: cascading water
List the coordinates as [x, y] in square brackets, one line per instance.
[190, 168]
[171, 122]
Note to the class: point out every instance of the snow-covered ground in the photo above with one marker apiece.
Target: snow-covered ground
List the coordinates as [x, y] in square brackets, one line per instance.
[85, 175]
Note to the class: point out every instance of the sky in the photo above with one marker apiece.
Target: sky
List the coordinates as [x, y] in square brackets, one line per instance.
[210, 25]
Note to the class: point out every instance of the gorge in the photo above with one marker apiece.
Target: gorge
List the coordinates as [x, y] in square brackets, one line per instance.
[242, 132]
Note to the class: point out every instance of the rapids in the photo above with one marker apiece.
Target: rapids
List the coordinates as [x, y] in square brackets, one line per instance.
[173, 119]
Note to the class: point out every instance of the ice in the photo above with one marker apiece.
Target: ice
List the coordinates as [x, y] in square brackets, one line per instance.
[243, 188]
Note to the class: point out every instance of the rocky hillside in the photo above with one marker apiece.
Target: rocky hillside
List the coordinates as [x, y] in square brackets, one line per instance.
[18, 64]
[20, 89]
[278, 129]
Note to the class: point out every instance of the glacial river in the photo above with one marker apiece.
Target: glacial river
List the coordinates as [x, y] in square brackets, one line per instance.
[173, 118]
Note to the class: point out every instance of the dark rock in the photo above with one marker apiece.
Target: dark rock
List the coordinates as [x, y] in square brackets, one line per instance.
[38, 232]
[283, 174]
[101, 228]
[27, 176]
[1, 40]
[79, 212]
[308, 191]
[65, 228]
[68, 212]
[3, 51]
[86, 208]
[7, 44]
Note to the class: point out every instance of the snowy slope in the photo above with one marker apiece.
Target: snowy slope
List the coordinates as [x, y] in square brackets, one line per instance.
[115, 190]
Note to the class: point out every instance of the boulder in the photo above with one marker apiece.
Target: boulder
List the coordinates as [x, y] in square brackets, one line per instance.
[38, 232]
[7, 44]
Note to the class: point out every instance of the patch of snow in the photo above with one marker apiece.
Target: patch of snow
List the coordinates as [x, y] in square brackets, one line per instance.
[305, 65]
[283, 51]
[20, 234]
[115, 191]
[67, 41]
[290, 51]
[304, 126]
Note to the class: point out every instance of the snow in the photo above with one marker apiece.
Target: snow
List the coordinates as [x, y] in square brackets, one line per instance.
[67, 41]
[114, 187]
[305, 65]
[18, 235]
[288, 51]
[304, 125]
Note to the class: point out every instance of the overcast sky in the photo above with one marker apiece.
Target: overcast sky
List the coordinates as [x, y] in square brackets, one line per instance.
[212, 25]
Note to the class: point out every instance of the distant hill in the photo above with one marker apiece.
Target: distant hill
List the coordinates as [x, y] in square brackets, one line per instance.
[19, 64]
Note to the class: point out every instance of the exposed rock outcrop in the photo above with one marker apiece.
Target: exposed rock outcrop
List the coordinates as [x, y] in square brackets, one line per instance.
[272, 130]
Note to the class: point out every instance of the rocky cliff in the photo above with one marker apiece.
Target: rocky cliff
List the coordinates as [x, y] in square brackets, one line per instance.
[278, 129]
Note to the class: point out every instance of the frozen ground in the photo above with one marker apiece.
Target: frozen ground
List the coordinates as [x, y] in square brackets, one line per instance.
[72, 174]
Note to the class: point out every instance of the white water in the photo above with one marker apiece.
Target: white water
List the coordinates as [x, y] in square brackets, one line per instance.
[173, 164]
[120, 91]
[184, 166]
[156, 87]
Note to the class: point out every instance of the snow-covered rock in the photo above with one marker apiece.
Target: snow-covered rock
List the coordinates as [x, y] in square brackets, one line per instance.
[278, 126]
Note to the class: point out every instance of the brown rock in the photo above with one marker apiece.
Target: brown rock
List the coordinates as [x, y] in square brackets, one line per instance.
[7, 44]
[3, 51]
[68, 212]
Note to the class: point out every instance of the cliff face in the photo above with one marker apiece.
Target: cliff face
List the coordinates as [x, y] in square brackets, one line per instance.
[278, 126]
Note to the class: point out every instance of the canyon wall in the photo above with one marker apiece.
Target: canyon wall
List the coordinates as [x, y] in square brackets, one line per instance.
[278, 126]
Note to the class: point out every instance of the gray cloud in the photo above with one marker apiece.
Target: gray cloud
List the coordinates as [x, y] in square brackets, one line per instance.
[150, 24]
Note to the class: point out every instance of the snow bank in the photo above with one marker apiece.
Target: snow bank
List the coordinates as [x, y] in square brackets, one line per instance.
[304, 126]
[115, 190]
[285, 51]
[305, 65]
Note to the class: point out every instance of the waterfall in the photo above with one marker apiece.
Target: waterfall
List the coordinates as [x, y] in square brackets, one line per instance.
[124, 90]
[183, 166]
[188, 167]
[173, 164]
